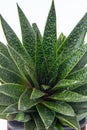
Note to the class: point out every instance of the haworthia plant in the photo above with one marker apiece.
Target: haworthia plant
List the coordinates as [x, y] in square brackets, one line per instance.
[43, 79]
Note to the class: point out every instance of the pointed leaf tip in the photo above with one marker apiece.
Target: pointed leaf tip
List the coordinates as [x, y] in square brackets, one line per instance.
[36, 94]
[17, 4]
[47, 116]
[18, 7]
[49, 39]
[28, 34]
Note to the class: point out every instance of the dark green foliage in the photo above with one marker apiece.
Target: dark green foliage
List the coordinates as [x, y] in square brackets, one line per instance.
[43, 80]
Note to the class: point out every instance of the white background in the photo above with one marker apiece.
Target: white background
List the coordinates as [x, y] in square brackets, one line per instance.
[69, 12]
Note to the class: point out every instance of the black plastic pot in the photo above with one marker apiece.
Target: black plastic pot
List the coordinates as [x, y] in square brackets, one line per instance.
[14, 125]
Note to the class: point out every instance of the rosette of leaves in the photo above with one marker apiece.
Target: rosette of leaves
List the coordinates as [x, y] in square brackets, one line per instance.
[43, 78]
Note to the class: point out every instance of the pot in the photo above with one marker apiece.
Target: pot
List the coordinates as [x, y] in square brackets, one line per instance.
[14, 125]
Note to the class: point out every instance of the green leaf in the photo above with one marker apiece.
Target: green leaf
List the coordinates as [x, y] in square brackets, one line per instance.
[45, 87]
[52, 127]
[23, 67]
[38, 53]
[67, 84]
[22, 117]
[7, 63]
[10, 35]
[50, 38]
[28, 35]
[69, 96]
[59, 127]
[32, 75]
[37, 31]
[19, 61]
[38, 122]
[70, 121]
[11, 109]
[2, 108]
[71, 45]
[60, 107]
[79, 75]
[81, 63]
[14, 42]
[46, 115]
[6, 100]
[67, 66]
[76, 37]
[30, 125]
[81, 116]
[79, 107]
[82, 90]
[9, 76]
[25, 102]
[12, 90]
[61, 39]
[36, 93]
[4, 50]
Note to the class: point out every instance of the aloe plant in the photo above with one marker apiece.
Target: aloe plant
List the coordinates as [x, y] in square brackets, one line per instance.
[43, 78]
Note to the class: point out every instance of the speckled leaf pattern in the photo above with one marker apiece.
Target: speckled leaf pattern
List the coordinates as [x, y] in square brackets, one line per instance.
[30, 125]
[61, 40]
[14, 42]
[49, 39]
[6, 62]
[36, 93]
[6, 100]
[67, 66]
[46, 115]
[28, 35]
[71, 44]
[12, 90]
[38, 122]
[21, 64]
[60, 107]
[79, 107]
[81, 63]
[11, 109]
[67, 84]
[32, 75]
[43, 79]
[69, 96]
[37, 31]
[82, 89]
[38, 53]
[79, 75]
[76, 37]
[9, 76]
[25, 102]
[71, 121]
[4, 50]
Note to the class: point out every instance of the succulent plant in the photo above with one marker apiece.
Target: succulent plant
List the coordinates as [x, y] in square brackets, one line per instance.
[43, 78]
